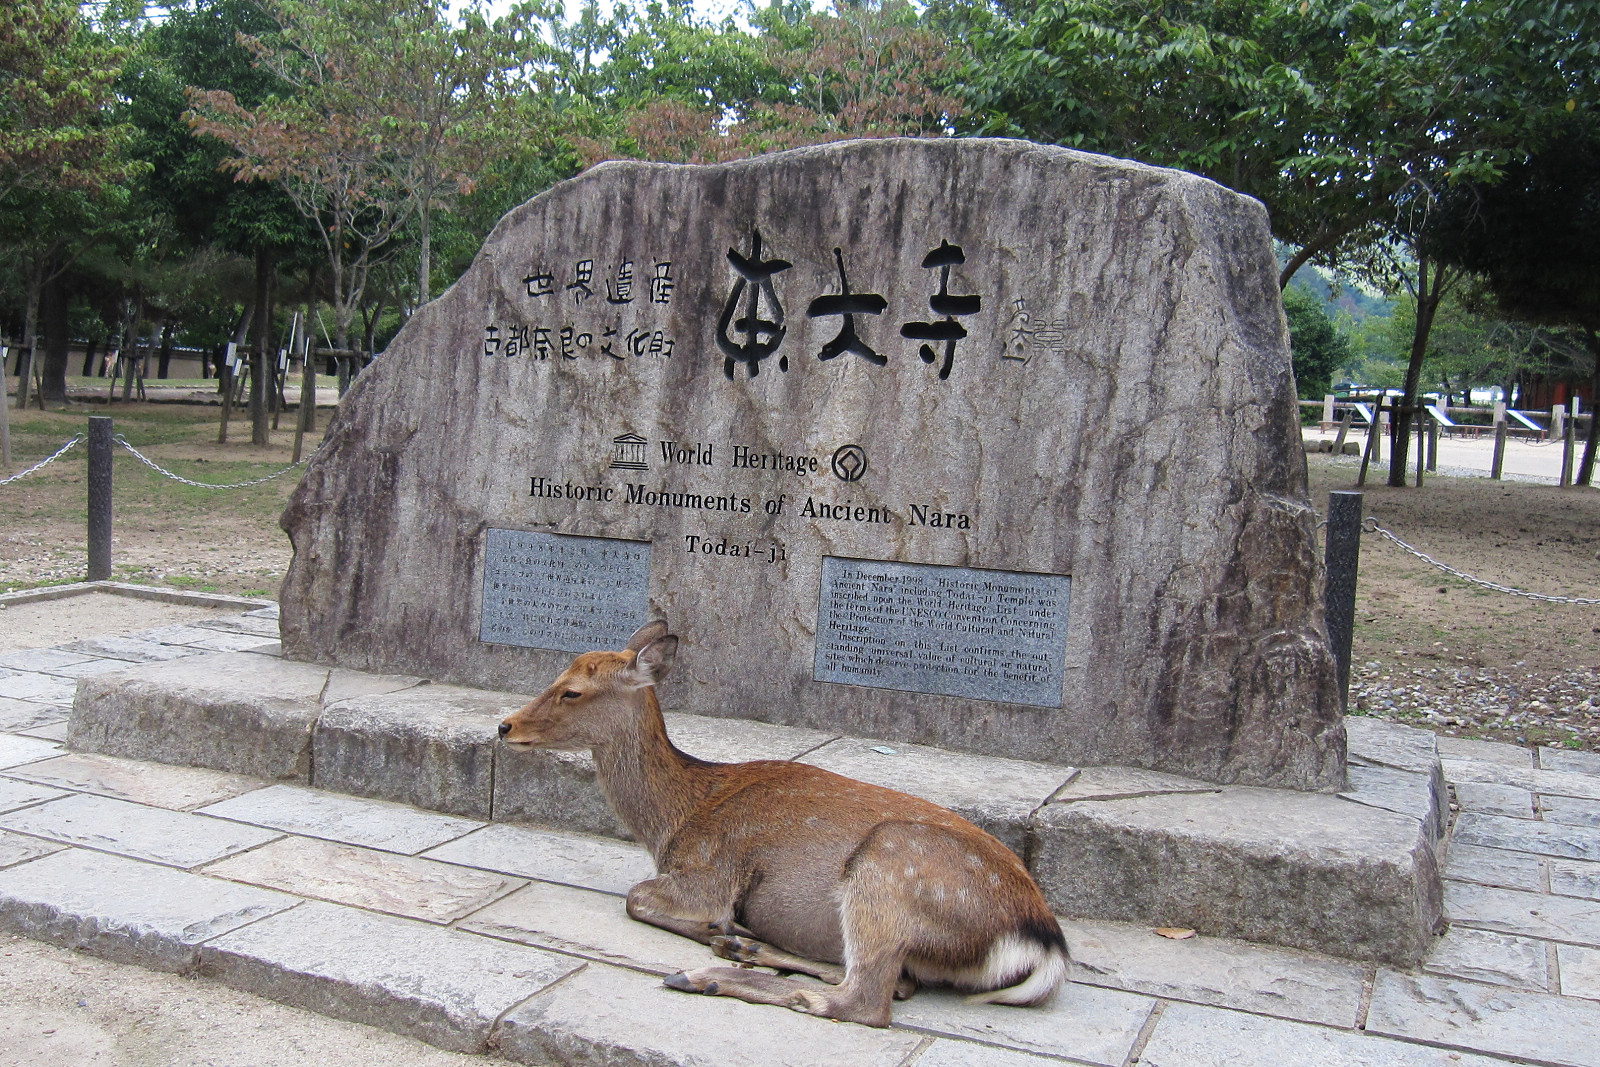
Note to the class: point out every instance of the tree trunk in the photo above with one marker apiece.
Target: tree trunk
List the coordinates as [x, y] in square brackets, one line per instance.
[88, 356]
[30, 326]
[259, 361]
[130, 354]
[1430, 288]
[1586, 468]
[53, 309]
[166, 351]
[425, 271]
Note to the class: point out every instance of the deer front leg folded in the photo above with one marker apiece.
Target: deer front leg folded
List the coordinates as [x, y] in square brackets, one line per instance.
[692, 904]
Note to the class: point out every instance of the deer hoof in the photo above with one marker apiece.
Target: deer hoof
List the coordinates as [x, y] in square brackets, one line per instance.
[810, 1003]
[737, 949]
[690, 982]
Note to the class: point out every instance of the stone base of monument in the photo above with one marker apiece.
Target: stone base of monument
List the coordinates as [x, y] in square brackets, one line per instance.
[1353, 874]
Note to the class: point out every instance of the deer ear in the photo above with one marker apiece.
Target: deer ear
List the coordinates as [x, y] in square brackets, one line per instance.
[650, 631]
[652, 662]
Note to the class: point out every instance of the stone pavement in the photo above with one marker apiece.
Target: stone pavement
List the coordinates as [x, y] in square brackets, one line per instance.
[481, 936]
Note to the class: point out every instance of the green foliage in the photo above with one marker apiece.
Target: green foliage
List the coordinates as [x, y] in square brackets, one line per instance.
[1318, 346]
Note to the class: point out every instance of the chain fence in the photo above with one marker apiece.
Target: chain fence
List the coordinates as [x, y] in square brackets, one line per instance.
[153, 465]
[1370, 524]
[43, 463]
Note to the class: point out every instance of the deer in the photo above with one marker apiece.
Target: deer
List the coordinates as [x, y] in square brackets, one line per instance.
[782, 865]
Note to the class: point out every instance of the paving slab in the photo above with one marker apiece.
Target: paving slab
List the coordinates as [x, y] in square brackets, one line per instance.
[1524, 835]
[347, 685]
[739, 740]
[18, 715]
[556, 789]
[351, 820]
[1562, 918]
[132, 649]
[946, 1053]
[1083, 1022]
[1461, 748]
[366, 878]
[1375, 742]
[248, 623]
[582, 922]
[208, 640]
[999, 795]
[1550, 759]
[1493, 866]
[1580, 971]
[15, 751]
[1575, 878]
[1302, 870]
[43, 688]
[1570, 810]
[89, 668]
[1403, 792]
[178, 634]
[581, 860]
[231, 711]
[444, 987]
[1113, 783]
[1192, 1036]
[51, 731]
[15, 794]
[432, 746]
[41, 659]
[1490, 799]
[1487, 1019]
[156, 784]
[611, 1017]
[1486, 956]
[1208, 970]
[171, 837]
[15, 848]
[1554, 783]
[124, 910]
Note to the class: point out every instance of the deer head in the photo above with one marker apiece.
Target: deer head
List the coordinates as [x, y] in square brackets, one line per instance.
[596, 698]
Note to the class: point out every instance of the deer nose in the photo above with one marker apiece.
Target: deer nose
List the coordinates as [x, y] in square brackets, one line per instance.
[505, 728]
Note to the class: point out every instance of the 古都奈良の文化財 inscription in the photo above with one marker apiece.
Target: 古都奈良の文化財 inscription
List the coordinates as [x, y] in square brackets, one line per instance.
[562, 593]
[990, 635]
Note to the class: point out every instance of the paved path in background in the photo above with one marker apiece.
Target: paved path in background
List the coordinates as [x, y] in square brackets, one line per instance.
[1472, 457]
[474, 936]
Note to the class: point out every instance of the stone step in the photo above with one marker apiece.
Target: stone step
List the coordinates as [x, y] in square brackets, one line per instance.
[1352, 874]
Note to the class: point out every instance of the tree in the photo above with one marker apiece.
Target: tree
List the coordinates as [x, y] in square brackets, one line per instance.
[1533, 236]
[57, 145]
[1317, 345]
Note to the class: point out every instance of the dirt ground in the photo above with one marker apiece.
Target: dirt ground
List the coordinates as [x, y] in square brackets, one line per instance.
[1429, 649]
[1432, 650]
[64, 1009]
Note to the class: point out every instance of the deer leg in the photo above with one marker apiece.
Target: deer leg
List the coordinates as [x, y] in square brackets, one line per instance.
[760, 954]
[690, 904]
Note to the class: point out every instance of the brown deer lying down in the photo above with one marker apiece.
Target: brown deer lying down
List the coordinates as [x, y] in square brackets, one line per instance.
[821, 869]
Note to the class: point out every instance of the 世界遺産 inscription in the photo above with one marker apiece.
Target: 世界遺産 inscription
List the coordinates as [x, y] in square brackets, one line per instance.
[562, 592]
[955, 631]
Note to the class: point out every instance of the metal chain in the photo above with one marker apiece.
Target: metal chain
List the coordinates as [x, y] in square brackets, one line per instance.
[63, 450]
[1371, 526]
[123, 441]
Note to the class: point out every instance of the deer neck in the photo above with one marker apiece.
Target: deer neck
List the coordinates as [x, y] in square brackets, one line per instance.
[652, 786]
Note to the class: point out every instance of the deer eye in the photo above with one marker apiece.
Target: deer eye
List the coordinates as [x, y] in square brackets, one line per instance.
[571, 694]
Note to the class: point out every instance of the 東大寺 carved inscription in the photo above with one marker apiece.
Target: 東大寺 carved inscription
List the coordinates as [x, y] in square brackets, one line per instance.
[562, 592]
[956, 631]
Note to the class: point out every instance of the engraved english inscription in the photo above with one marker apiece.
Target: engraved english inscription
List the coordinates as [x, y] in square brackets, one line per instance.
[564, 593]
[955, 631]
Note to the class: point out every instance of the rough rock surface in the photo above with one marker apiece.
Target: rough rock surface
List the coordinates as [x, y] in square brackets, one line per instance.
[1118, 407]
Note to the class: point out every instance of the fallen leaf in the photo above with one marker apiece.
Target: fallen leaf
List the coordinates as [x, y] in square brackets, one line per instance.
[1177, 933]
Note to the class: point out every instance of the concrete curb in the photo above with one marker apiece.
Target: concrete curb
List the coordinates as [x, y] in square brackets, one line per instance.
[1353, 874]
[140, 592]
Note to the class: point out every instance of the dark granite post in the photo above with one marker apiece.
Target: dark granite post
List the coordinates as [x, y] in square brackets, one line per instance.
[99, 497]
[1342, 556]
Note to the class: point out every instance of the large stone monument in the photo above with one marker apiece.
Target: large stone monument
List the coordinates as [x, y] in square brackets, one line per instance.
[971, 443]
